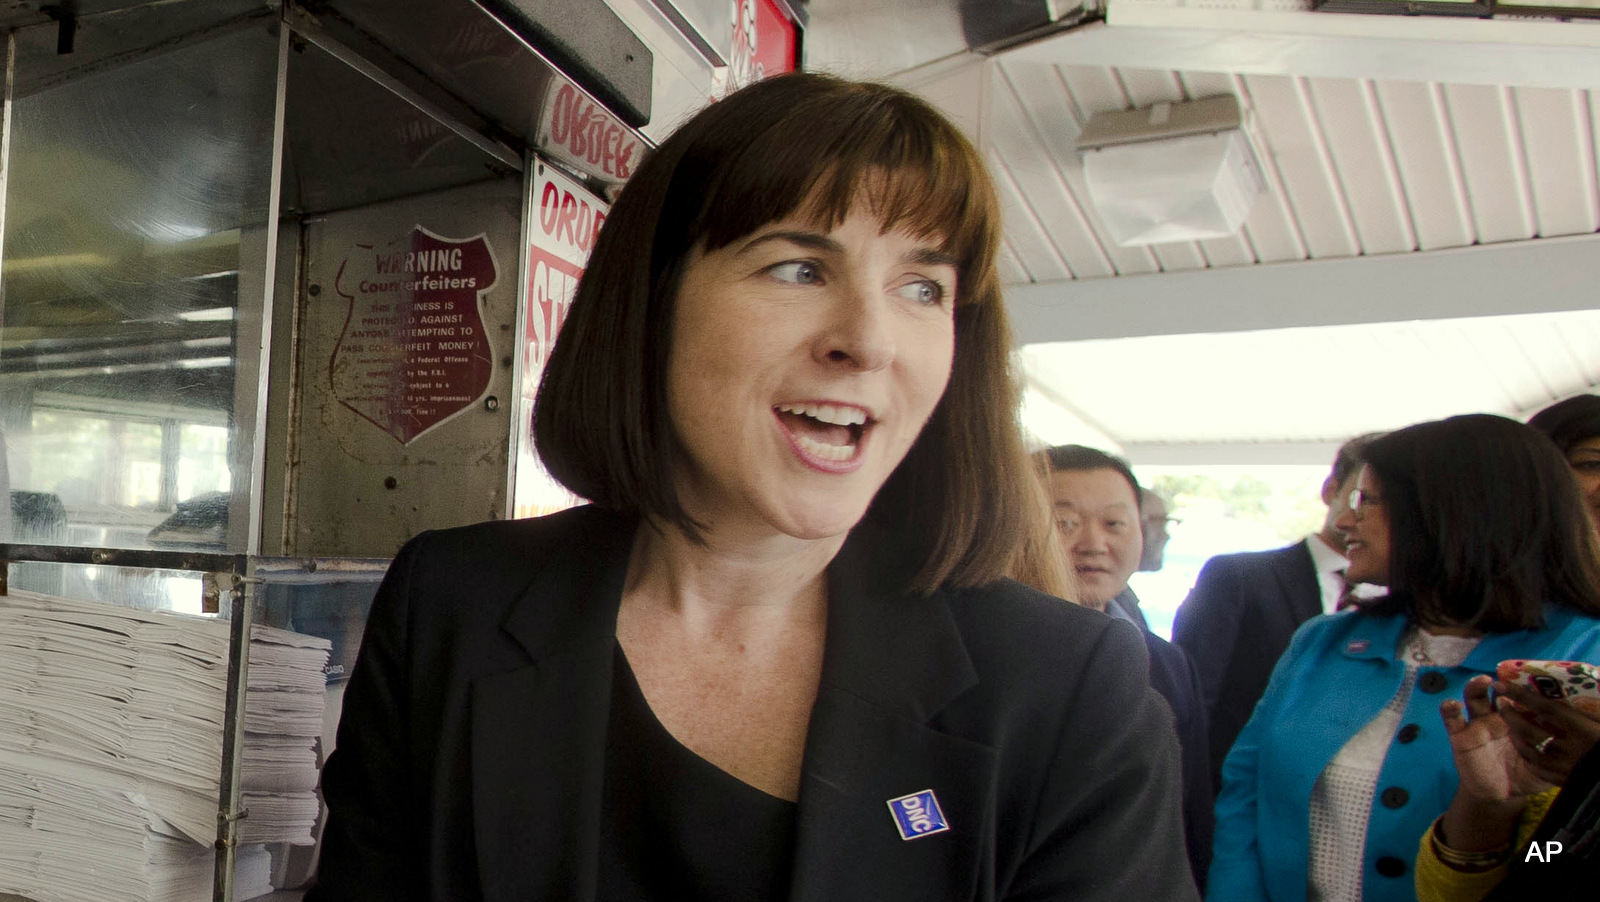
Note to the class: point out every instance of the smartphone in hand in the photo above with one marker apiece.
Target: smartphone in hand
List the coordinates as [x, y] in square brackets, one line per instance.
[1566, 680]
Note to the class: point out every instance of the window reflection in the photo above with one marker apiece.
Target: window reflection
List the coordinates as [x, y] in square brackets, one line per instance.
[120, 479]
[137, 197]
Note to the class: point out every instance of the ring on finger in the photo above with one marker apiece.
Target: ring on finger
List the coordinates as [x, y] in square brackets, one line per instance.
[1543, 744]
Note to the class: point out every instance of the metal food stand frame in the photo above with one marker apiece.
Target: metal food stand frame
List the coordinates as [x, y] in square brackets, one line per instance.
[335, 126]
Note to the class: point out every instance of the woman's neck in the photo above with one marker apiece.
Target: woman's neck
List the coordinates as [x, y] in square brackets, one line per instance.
[1451, 629]
[726, 580]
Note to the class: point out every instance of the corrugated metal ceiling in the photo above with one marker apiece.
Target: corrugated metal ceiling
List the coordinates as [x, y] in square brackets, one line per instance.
[1354, 166]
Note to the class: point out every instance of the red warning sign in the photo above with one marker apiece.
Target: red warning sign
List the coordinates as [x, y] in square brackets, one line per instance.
[414, 351]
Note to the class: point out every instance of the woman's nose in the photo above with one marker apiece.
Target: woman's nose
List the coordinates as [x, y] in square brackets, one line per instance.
[860, 331]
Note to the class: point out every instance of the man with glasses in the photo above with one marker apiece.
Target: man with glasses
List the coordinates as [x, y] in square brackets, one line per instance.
[1155, 518]
[1243, 609]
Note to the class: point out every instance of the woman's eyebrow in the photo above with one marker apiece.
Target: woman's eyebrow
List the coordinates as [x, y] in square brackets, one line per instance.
[810, 240]
[922, 256]
[927, 256]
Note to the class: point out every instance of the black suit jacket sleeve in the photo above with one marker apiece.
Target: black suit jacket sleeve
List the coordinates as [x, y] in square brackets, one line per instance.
[1172, 674]
[374, 848]
[1207, 625]
[1116, 728]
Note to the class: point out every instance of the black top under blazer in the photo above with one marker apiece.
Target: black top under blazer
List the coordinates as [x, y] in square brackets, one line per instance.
[471, 752]
[1236, 623]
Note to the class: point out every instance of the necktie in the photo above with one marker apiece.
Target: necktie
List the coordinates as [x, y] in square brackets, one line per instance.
[1347, 594]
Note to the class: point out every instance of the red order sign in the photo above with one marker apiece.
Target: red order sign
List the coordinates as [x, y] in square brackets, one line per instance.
[763, 42]
[566, 220]
[580, 132]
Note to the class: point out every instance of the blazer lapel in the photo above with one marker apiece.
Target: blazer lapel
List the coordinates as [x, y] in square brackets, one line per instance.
[539, 732]
[891, 664]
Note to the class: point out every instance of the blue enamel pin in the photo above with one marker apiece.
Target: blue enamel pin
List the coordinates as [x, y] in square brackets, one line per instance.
[918, 815]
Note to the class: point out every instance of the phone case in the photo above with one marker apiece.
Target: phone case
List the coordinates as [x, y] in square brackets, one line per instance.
[1571, 680]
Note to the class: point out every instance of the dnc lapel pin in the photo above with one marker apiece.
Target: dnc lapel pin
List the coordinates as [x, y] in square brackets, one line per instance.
[918, 815]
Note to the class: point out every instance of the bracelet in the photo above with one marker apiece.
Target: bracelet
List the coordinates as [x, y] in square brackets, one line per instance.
[1469, 862]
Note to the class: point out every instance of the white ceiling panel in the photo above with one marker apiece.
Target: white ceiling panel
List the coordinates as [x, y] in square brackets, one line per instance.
[1363, 163]
[1315, 384]
[1558, 145]
[1026, 146]
[1010, 268]
[1028, 237]
[1425, 155]
[1294, 141]
[1492, 165]
[1354, 166]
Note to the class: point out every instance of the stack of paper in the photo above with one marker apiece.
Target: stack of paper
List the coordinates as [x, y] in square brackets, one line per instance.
[111, 731]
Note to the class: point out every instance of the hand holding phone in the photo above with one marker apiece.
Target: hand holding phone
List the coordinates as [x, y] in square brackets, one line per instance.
[1552, 710]
[1567, 681]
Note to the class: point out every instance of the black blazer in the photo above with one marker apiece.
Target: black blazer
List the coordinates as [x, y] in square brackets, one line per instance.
[470, 755]
[1172, 675]
[1236, 623]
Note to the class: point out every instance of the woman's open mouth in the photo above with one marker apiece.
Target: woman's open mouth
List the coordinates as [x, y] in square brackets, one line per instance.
[826, 436]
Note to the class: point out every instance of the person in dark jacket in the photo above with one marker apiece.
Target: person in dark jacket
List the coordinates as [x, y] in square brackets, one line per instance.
[776, 657]
[1095, 505]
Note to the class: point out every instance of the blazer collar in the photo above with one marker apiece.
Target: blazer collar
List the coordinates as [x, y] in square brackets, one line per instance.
[900, 652]
[891, 663]
[539, 731]
[1371, 636]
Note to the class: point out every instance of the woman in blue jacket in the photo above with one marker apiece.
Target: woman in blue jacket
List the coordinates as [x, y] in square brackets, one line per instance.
[1476, 526]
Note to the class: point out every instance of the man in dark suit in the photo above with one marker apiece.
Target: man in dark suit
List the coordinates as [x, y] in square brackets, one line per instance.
[1095, 500]
[1244, 608]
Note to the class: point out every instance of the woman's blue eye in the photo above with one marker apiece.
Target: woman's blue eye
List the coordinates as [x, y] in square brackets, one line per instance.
[798, 272]
[923, 292]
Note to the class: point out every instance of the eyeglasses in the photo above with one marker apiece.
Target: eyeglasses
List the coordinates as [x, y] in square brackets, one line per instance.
[1359, 499]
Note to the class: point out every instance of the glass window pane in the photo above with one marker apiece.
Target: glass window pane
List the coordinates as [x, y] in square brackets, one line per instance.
[136, 209]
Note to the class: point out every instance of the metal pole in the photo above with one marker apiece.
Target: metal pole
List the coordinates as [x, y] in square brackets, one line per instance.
[229, 812]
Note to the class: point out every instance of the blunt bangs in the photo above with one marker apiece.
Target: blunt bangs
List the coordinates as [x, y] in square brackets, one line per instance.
[816, 152]
[804, 146]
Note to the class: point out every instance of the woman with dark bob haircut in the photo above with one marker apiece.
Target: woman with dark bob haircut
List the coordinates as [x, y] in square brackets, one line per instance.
[775, 658]
[1475, 526]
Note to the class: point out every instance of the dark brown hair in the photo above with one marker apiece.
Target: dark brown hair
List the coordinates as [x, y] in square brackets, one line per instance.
[1486, 524]
[1349, 456]
[1040, 562]
[799, 144]
[1569, 422]
[1073, 458]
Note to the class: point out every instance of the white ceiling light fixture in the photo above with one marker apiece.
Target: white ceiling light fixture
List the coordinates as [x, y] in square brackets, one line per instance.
[1179, 171]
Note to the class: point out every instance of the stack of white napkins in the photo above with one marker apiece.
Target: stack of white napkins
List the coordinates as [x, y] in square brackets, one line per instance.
[111, 728]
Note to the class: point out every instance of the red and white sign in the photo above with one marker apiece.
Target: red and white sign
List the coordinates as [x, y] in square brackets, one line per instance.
[763, 43]
[413, 351]
[580, 132]
[566, 219]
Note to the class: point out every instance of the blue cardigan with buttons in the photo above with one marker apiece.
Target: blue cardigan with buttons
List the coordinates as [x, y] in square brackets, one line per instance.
[1339, 672]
